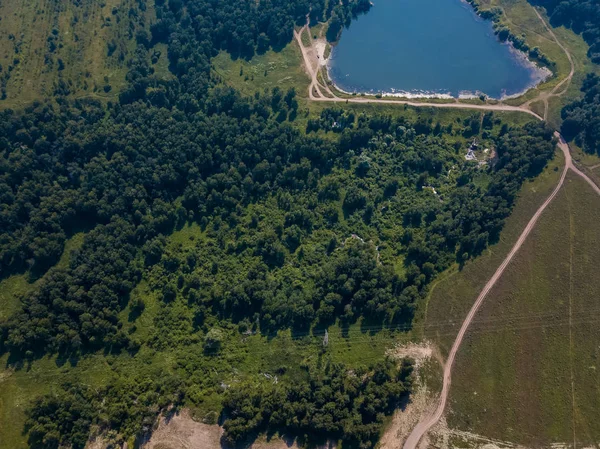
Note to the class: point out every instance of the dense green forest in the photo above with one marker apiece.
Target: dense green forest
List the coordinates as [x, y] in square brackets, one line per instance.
[345, 221]
[581, 117]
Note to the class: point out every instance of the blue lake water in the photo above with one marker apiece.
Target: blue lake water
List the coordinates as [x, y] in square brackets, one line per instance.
[427, 47]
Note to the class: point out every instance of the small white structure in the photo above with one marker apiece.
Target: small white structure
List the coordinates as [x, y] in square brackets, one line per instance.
[470, 156]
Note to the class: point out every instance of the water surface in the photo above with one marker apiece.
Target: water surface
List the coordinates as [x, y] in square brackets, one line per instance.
[428, 47]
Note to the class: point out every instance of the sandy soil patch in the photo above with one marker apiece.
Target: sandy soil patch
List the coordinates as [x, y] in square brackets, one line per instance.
[419, 352]
[422, 399]
[182, 432]
[320, 46]
[97, 443]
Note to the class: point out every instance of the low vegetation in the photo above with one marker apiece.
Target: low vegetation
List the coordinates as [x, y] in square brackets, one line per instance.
[58, 49]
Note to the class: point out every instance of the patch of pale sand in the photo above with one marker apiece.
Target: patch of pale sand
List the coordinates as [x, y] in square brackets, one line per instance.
[320, 46]
[419, 352]
[182, 432]
[96, 443]
[5, 374]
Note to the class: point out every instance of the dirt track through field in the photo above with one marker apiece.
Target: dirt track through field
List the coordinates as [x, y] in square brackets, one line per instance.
[315, 94]
[422, 427]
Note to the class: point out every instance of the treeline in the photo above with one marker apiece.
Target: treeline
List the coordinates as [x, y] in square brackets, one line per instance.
[246, 28]
[581, 119]
[340, 15]
[328, 403]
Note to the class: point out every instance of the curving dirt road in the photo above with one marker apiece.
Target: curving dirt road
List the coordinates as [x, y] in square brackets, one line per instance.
[422, 427]
[425, 424]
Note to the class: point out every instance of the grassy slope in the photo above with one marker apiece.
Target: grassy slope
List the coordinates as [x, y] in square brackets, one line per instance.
[513, 376]
[520, 17]
[82, 34]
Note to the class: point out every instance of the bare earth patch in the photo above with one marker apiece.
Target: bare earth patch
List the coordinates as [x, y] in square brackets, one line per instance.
[422, 399]
[182, 432]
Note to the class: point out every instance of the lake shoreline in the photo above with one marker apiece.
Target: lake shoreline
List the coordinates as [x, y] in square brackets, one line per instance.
[539, 74]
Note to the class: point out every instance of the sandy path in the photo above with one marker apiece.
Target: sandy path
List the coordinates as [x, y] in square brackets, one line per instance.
[545, 96]
[563, 48]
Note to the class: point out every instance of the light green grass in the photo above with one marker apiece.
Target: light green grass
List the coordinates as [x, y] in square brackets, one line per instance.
[11, 289]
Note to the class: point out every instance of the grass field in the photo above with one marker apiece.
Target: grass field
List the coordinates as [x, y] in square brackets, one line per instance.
[527, 371]
[519, 16]
[78, 48]
[272, 69]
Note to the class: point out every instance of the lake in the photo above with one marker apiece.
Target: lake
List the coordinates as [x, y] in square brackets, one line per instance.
[422, 47]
